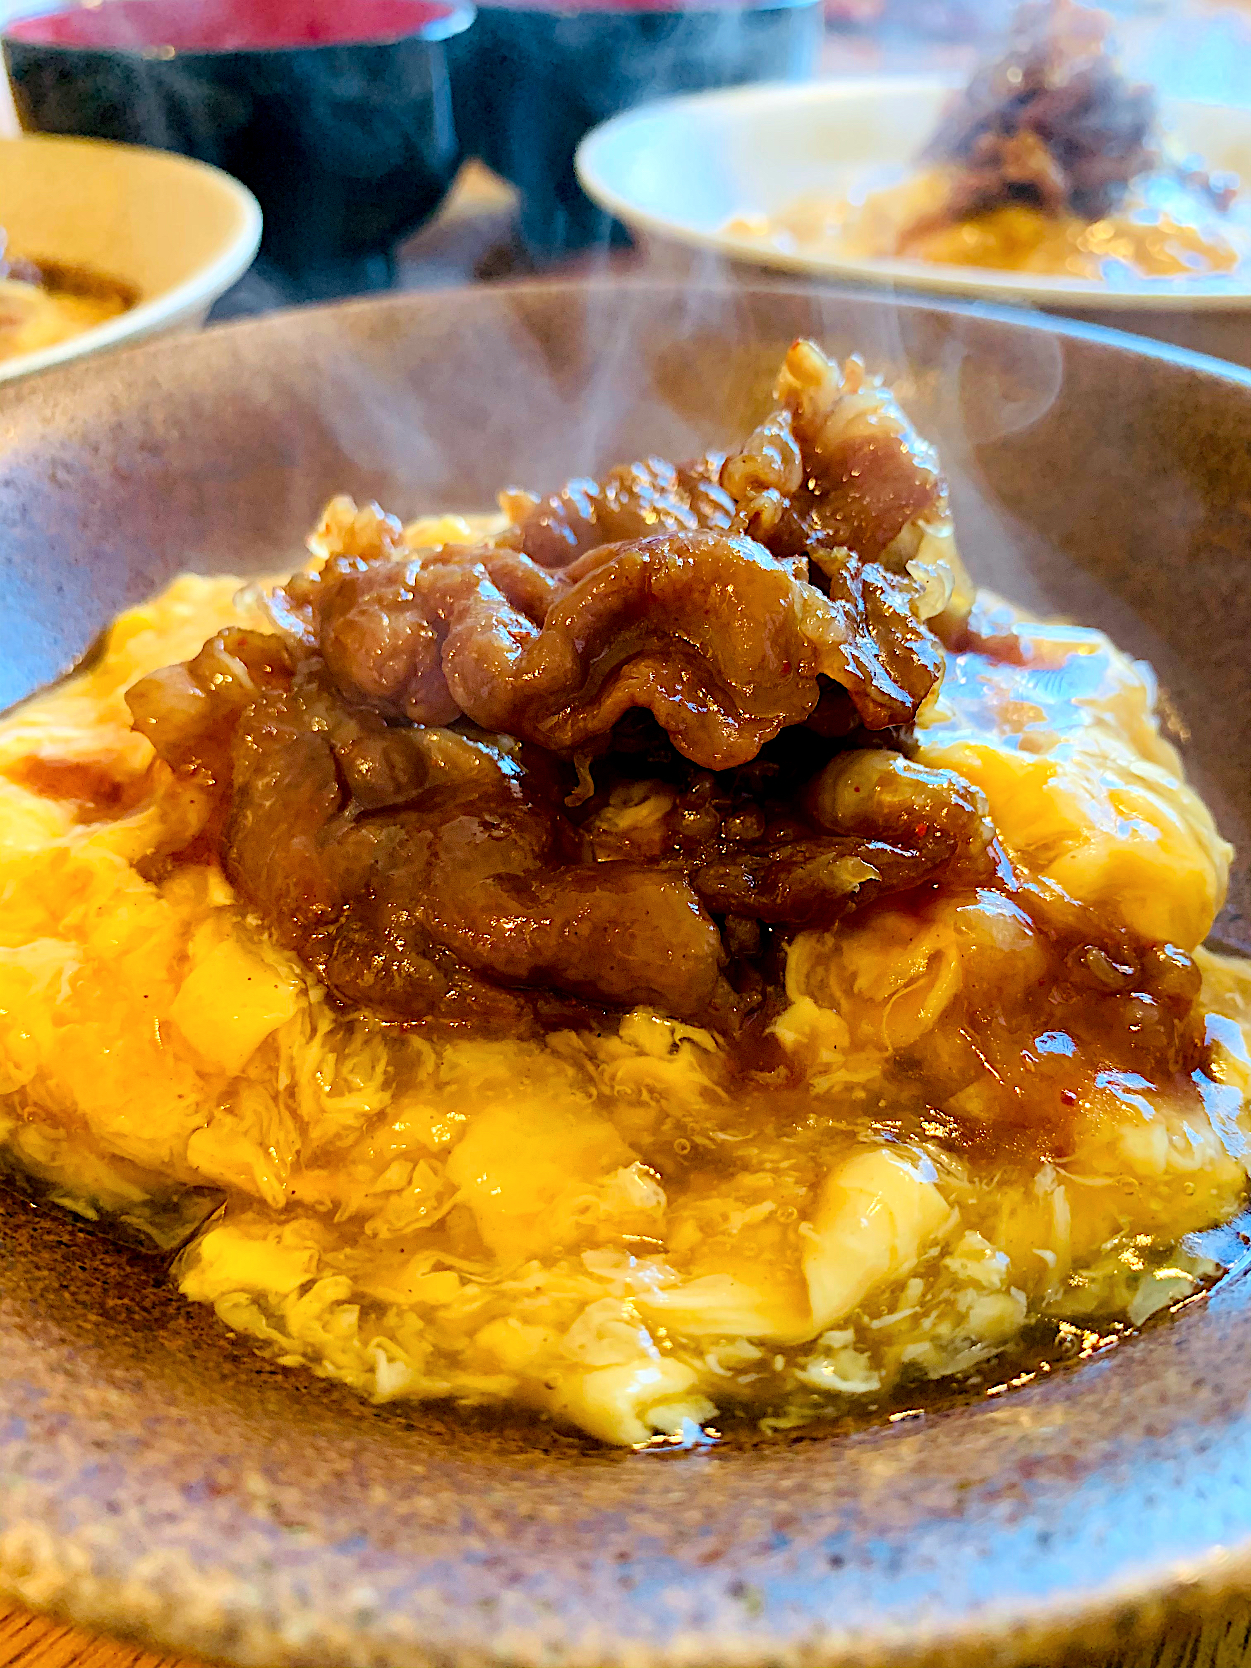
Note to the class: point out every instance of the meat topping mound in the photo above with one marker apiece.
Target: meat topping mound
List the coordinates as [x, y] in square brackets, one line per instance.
[479, 782]
[722, 609]
[1051, 122]
[428, 871]
[444, 873]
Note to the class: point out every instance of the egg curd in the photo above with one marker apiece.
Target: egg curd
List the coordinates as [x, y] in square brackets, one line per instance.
[34, 316]
[618, 1227]
[1163, 230]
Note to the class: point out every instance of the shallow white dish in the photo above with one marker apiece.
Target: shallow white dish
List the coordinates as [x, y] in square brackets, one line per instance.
[679, 169]
[177, 232]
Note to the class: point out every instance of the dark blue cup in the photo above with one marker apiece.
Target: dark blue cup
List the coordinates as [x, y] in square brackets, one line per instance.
[531, 80]
[337, 114]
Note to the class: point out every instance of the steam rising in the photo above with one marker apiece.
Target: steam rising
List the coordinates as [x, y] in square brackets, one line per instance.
[386, 433]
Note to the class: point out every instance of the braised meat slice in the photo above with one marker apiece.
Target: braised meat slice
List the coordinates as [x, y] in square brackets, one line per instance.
[721, 641]
[836, 466]
[631, 502]
[838, 474]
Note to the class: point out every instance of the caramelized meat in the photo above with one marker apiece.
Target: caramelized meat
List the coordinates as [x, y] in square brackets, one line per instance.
[618, 755]
[722, 642]
[441, 873]
[433, 872]
[188, 712]
[836, 467]
[725, 610]
[1051, 121]
[881, 825]
[838, 474]
[779, 843]
[631, 502]
[425, 782]
[421, 869]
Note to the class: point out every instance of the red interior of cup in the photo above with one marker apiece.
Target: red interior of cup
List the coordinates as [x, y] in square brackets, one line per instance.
[607, 6]
[230, 25]
[258, 25]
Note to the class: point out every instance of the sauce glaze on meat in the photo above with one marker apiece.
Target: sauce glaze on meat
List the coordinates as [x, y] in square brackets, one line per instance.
[398, 773]
[622, 752]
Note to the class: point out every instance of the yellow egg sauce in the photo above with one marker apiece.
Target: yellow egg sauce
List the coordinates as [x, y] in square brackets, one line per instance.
[38, 316]
[1162, 231]
[629, 1229]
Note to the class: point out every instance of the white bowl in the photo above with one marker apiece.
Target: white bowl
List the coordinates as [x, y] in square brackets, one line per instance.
[177, 232]
[679, 169]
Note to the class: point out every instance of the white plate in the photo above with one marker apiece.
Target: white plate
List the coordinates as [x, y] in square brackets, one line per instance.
[681, 168]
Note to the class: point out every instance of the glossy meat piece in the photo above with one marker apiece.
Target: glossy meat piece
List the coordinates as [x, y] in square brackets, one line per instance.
[890, 662]
[718, 639]
[381, 624]
[811, 883]
[838, 474]
[720, 642]
[188, 711]
[879, 824]
[381, 621]
[837, 465]
[634, 593]
[412, 865]
[632, 501]
[1051, 121]
[873, 484]
[789, 846]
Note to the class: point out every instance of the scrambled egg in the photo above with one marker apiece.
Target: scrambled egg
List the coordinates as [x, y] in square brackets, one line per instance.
[610, 1228]
[33, 317]
[1164, 230]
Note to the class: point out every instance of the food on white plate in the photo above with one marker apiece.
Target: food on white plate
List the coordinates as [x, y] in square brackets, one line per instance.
[1050, 162]
[671, 952]
[42, 303]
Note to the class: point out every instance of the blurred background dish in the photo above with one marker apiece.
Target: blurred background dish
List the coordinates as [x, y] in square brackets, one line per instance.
[681, 172]
[160, 236]
[337, 114]
[533, 79]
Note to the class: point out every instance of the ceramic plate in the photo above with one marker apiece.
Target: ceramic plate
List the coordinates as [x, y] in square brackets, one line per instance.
[157, 1479]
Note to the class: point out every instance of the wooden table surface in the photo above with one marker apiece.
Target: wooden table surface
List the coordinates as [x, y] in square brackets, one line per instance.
[1199, 50]
[28, 1641]
[34, 1642]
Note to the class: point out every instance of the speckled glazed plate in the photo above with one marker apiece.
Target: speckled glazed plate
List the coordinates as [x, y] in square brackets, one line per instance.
[156, 1479]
